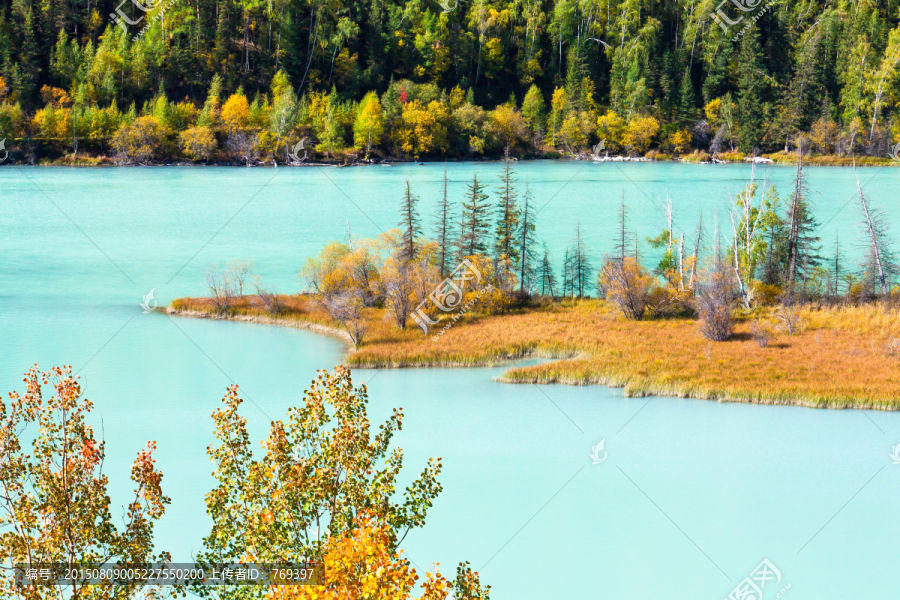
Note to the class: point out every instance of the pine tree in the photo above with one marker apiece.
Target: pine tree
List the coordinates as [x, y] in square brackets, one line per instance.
[568, 284]
[409, 224]
[546, 279]
[687, 106]
[507, 216]
[580, 265]
[802, 244]
[442, 226]
[527, 242]
[475, 225]
[621, 246]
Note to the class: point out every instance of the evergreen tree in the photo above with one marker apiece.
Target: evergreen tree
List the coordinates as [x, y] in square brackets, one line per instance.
[442, 226]
[621, 242]
[475, 224]
[546, 279]
[687, 107]
[507, 216]
[580, 265]
[526, 243]
[568, 283]
[802, 245]
[409, 224]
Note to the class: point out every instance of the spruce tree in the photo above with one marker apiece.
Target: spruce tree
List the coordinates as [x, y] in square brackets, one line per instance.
[546, 279]
[687, 101]
[475, 224]
[802, 245]
[442, 226]
[580, 264]
[507, 216]
[409, 224]
[527, 242]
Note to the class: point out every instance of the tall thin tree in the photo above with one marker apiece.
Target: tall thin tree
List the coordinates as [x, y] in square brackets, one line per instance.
[880, 262]
[507, 216]
[527, 242]
[409, 224]
[443, 231]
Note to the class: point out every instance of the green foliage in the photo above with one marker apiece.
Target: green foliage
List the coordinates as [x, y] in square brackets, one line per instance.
[571, 64]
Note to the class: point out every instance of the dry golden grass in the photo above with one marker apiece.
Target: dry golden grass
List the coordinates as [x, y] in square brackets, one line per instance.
[843, 357]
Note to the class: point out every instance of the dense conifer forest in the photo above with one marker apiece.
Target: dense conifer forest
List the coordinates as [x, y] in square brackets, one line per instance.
[248, 80]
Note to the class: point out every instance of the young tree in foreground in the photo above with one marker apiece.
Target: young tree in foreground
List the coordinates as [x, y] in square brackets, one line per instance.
[55, 502]
[322, 468]
[361, 565]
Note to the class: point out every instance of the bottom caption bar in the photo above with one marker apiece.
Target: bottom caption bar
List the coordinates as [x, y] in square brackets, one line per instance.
[167, 574]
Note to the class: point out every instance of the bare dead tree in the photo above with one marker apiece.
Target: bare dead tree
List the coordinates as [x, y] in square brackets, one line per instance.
[244, 145]
[347, 309]
[269, 300]
[716, 293]
[398, 293]
[879, 257]
[221, 290]
[240, 271]
[788, 316]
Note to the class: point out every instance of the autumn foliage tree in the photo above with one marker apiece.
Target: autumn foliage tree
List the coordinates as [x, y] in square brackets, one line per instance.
[138, 141]
[55, 500]
[361, 565]
[627, 285]
[322, 467]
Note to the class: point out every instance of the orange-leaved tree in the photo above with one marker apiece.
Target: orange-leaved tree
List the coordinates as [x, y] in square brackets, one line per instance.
[362, 565]
[322, 468]
[55, 504]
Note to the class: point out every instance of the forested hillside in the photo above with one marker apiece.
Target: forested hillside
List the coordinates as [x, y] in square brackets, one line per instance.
[204, 79]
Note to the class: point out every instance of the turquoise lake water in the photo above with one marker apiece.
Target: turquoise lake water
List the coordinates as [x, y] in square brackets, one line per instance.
[692, 496]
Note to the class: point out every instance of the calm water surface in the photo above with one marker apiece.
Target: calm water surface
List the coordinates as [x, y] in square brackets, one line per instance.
[692, 496]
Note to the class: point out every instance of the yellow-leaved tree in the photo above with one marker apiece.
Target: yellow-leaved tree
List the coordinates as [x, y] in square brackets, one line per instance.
[369, 125]
[236, 112]
[197, 142]
[362, 566]
[422, 129]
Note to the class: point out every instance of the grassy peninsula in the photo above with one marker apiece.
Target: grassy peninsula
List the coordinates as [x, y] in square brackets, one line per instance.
[843, 357]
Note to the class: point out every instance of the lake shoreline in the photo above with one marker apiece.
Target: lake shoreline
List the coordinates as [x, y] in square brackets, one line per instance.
[684, 373]
[696, 158]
